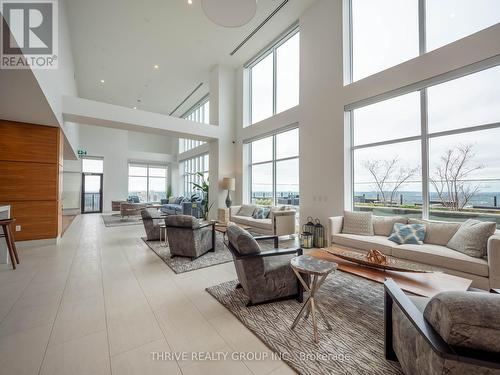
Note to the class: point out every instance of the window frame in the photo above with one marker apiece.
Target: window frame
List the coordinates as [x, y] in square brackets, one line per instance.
[425, 135]
[271, 49]
[193, 114]
[273, 161]
[194, 164]
[422, 39]
[147, 176]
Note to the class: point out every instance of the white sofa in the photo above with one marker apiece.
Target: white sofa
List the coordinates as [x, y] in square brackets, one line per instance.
[281, 222]
[485, 273]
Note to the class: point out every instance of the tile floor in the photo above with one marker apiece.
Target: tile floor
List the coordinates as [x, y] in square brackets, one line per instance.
[100, 302]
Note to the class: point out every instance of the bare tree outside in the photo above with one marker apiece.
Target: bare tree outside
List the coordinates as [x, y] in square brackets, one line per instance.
[450, 177]
[389, 176]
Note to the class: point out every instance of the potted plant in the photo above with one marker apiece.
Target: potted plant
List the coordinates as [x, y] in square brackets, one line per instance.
[203, 187]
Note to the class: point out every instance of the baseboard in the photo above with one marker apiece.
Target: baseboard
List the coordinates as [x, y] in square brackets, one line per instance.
[33, 243]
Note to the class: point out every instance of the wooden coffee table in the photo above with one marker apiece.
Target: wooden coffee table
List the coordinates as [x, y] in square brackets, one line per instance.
[222, 228]
[421, 284]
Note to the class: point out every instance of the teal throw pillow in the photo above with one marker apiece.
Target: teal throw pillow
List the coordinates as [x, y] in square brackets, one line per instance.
[413, 234]
[261, 213]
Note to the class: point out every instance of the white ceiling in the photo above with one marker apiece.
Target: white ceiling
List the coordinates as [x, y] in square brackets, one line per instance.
[120, 41]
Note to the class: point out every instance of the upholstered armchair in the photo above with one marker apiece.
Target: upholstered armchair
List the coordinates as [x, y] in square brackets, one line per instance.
[151, 220]
[187, 237]
[451, 333]
[265, 276]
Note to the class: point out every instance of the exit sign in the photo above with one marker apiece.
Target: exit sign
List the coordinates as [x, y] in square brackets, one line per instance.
[82, 152]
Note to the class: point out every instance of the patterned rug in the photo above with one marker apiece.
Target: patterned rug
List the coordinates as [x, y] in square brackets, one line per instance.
[115, 220]
[355, 309]
[181, 264]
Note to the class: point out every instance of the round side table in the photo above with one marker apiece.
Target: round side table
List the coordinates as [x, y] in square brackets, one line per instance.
[318, 270]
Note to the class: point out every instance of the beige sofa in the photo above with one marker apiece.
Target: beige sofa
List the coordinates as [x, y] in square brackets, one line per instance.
[281, 222]
[485, 273]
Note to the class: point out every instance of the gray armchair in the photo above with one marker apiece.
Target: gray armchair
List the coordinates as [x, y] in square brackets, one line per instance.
[151, 220]
[451, 333]
[187, 237]
[265, 276]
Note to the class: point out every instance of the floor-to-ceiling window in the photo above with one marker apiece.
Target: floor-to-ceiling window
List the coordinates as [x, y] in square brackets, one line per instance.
[274, 169]
[200, 112]
[432, 152]
[388, 32]
[274, 78]
[147, 181]
[191, 169]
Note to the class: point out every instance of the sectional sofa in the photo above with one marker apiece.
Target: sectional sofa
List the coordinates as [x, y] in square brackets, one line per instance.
[485, 273]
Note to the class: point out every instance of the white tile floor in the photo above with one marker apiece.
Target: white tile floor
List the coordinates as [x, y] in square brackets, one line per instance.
[100, 302]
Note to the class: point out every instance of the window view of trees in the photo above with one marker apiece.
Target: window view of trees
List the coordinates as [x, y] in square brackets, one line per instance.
[462, 177]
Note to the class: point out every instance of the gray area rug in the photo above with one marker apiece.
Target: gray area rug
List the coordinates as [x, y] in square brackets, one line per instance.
[355, 309]
[181, 264]
[115, 220]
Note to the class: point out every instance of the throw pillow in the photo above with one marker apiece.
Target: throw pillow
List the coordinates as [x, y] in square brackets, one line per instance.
[246, 210]
[472, 238]
[384, 225]
[261, 213]
[358, 223]
[437, 232]
[412, 234]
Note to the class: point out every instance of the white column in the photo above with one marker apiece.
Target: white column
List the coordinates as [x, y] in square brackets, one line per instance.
[222, 151]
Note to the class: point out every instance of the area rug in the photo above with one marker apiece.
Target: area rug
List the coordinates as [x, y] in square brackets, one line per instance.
[221, 254]
[355, 309]
[115, 220]
[181, 264]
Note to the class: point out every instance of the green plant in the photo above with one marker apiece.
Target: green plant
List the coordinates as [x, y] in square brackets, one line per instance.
[169, 191]
[203, 187]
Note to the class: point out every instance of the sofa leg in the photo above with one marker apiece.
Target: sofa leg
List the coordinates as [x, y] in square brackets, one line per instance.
[239, 286]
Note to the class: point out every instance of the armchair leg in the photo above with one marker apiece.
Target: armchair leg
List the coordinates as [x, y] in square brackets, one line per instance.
[239, 286]
[388, 343]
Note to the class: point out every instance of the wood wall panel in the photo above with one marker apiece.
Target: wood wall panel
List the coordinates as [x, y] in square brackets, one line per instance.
[38, 220]
[28, 142]
[30, 167]
[28, 181]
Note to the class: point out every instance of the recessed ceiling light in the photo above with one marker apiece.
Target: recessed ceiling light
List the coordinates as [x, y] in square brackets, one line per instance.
[102, 81]
[190, 2]
[452, 15]
[135, 107]
[156, 66]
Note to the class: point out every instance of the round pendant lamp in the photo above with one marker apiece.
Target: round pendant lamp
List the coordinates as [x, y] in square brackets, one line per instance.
[229, 13]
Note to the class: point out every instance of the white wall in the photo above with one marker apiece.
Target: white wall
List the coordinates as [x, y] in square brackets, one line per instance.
[58, 82]
[118, 147]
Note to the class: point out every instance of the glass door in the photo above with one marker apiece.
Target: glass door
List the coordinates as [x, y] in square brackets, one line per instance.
[91, 193]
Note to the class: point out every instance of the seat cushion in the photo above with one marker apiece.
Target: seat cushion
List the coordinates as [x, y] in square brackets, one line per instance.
[437, 232]
[384, 225]
[466, 319]
[361, 242]
[441, 256]
[251, 222]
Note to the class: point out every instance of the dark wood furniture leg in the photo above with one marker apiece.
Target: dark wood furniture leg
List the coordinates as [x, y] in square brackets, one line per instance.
[388, 345]
[7, 233]
[13, 243]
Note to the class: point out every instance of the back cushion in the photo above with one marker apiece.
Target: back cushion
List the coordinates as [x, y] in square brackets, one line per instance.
[437, 232]
[246, 210]
[241, 240]
[358, 223]
[384, 225]
[472, 238]
[466, 319]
